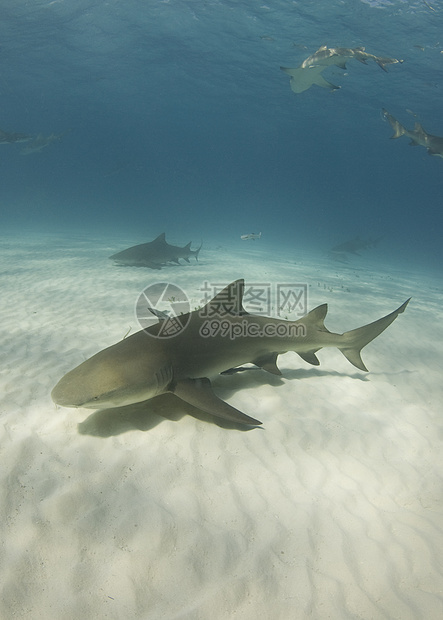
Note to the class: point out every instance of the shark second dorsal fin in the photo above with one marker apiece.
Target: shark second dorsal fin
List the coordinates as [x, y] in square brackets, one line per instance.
[228, 301]
[419, 128]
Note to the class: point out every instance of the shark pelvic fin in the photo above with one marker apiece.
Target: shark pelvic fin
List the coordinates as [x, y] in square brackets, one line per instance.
[199, 393]
[310, 357]
[358, 338]
[268, 363]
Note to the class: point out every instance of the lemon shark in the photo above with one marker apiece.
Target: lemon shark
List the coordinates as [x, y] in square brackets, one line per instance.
[310, 70]
[7, 137]
[353, 246]
[154, 254]
[418, 136]
[40, 142]
[218, 337]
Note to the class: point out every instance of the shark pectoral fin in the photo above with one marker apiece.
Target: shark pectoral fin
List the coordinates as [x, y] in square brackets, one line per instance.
[268, 363]
[310, 357]
[320, 81]
[303, 78]
[199, 393]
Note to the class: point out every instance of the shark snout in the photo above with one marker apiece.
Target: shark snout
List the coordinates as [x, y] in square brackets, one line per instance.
[63, 396]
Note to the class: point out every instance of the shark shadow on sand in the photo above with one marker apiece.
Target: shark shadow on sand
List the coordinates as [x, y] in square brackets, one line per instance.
[146, 415]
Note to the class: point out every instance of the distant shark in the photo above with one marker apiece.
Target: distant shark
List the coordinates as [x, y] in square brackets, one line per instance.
[353, 246]
[418, 136]
[146, 365]
[310, 70]
[40, 142]
[12, 138]
[154, 254]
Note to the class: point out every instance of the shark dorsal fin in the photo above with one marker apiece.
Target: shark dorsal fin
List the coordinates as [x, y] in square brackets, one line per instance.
[160, 239]
[228, 301]
[418, 127]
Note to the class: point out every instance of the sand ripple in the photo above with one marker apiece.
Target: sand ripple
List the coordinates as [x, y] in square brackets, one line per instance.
[332, 510]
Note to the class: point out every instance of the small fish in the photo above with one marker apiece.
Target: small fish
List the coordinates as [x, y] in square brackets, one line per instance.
[252, 236]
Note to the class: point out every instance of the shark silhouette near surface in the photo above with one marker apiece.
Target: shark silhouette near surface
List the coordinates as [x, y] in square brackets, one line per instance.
[146, 365]
[418, 136]
[40, 142]
[154, 254]
[311, 69]
[13, 137]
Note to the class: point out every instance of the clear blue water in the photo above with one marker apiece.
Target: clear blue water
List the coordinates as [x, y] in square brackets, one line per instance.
[181, 120]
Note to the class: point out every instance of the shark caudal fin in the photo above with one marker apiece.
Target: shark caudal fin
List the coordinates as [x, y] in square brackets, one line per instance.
[398, 128]
[356, 339]
[195, 252]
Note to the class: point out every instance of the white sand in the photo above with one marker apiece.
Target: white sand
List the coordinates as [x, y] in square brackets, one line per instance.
[332, 510]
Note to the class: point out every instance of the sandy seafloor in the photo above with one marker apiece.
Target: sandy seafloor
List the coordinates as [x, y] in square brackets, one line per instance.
[332, 510]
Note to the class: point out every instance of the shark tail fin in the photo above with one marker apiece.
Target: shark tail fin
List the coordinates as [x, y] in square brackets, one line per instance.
[356, 339]
[197, 251]
[399, 130]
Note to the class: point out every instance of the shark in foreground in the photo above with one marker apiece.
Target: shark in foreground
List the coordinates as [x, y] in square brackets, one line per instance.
[154, 254]
[418, 136]
[216, 338]
[310, 70]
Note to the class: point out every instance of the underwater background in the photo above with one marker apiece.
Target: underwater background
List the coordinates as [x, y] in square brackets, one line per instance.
[178, 119]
